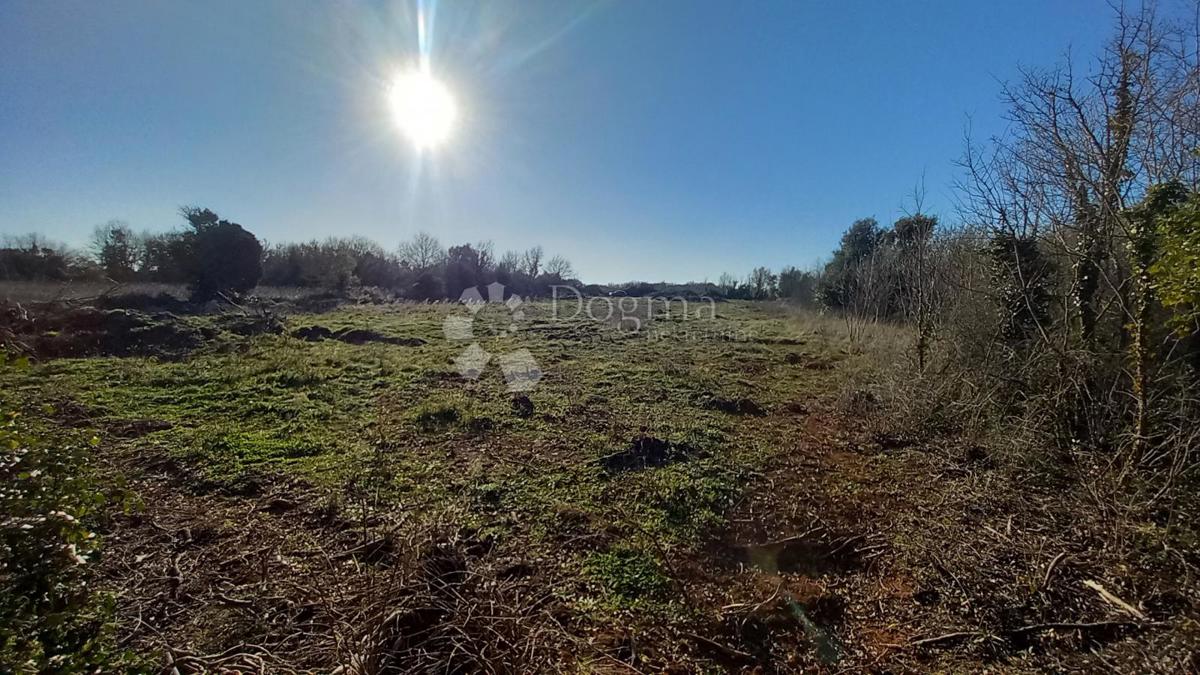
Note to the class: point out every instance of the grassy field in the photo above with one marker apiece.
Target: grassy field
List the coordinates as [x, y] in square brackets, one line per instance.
[704, 494]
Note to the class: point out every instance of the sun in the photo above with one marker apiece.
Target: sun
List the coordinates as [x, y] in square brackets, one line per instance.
[423, 108]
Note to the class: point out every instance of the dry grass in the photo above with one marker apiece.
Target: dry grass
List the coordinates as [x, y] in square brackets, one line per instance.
[49, 291]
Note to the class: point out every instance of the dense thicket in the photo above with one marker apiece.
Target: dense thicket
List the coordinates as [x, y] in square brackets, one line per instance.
[1065, 306]
[1063, 309]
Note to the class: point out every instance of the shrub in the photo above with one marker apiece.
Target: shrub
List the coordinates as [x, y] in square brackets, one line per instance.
[223, 257]
[1176, 272]
[49, 619]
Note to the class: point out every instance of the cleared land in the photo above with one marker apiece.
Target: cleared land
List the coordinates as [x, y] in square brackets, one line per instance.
[705, 494]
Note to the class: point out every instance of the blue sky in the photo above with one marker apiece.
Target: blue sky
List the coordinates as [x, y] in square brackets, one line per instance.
[642, 139]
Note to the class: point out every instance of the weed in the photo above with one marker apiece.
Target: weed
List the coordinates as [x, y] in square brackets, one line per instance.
[628, 574]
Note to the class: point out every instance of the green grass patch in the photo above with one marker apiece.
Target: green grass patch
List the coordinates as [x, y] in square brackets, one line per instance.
[628, 575]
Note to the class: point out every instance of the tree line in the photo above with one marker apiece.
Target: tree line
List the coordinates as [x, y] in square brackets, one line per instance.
[214, 256]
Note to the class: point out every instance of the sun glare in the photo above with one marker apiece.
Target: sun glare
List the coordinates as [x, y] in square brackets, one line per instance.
[423, 108]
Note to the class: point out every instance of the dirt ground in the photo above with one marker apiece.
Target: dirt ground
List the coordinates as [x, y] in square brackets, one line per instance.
[703, 495]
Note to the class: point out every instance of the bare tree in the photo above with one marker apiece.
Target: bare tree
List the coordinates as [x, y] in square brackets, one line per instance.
[727, 282]
[762, 282]
[560, 267]
[117, 249]
[1086, 145]
[866, 296]
[531, 261]
[914, 236]
[510, 261]
[422, 252]
[1094, 143]
[487, 255]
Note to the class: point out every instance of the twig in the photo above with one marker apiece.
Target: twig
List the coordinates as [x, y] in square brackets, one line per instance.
[1114, 600]
[948, 637]
[1050, 569]
[224, 297]
[237, 602]
[175, 579]
[1096, 625]
[729, 651]
[1034, 628]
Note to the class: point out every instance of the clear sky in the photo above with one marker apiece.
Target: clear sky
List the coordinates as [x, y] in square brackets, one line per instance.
[642, 139]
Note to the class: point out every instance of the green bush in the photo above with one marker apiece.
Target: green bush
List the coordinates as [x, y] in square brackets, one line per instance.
[1176, 272]
[222, 257]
